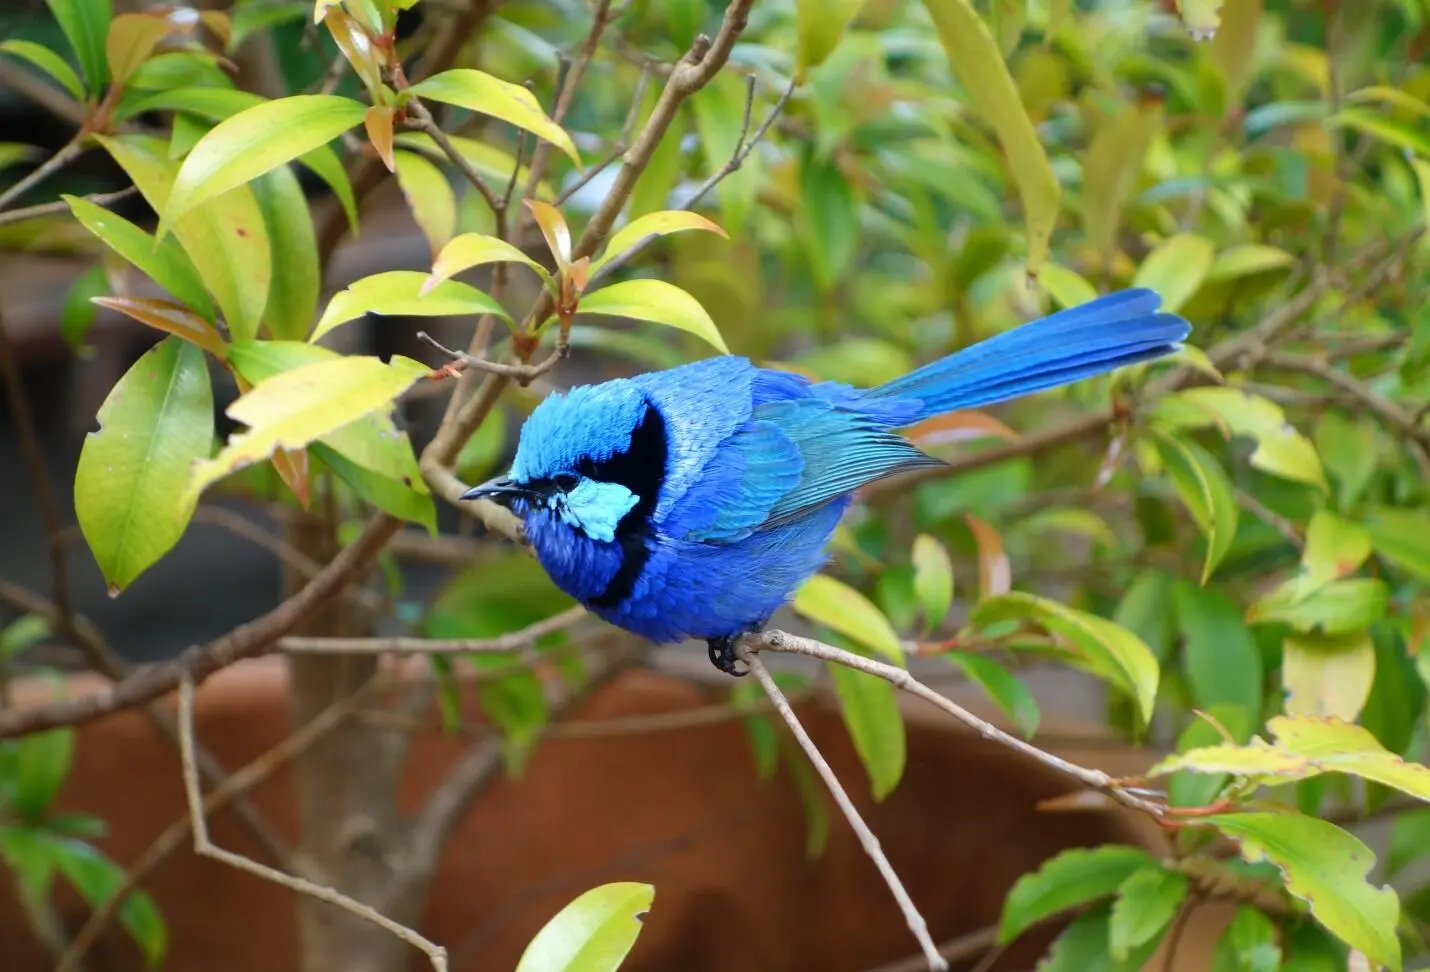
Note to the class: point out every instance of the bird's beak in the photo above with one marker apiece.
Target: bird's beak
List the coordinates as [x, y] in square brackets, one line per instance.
[496, 488]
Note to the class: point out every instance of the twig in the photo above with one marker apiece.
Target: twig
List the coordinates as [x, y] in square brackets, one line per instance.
[426, 123]
[204, 847]
[230, 790]
[62, 208]
[514, 641]
[66, 154]
[1270, 517]
[1174, 937]
[870, 843]
[524, 374]
[1092, 779]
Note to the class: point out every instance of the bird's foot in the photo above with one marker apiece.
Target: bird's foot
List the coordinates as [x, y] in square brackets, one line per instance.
[722, 654]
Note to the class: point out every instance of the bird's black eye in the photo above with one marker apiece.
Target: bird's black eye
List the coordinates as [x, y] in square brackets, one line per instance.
[566, 482]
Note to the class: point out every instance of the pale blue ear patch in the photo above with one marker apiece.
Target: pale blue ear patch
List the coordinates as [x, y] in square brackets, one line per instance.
[595, 508]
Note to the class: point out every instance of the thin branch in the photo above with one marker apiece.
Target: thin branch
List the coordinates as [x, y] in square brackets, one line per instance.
[524, 374]
[426, 123]
[204, 847]
[230, 790]
[66, 154]
[1097, 780]
[917, 925]
[514, 641]
[62, 208]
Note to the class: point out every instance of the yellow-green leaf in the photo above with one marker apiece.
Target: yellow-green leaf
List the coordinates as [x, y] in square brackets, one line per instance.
[839, 607]
[1233, 50]
[293, 294]
[1072, 878]
[429, 196]
[654, 224]
[1146, 904]
[1248, 259]
[1422, 176]
[1337, 745]
[1327, 868]
[1258, 759]
[1402, 536]
[1205, 490]
[48, 61]
[132, 38]
[656, 301]
[1202, 17]
[244, 146]
[225, 237]
[1110, 168]
[399, 292]
[1107, 648]
[1280, 449]
[1067, 288]
[871, 713]
[473, 249]
[1175, 268]
[165, 263]
[489, 161]
[293, 408]
[821, 25]
[480, 92]
[594, 933]
[85, 23]
[172, 318]
[1327, 676]
[933, 579]
[974, 56]
[129, 484]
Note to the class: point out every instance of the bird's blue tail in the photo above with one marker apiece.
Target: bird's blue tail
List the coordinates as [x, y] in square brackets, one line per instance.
[1112, 331]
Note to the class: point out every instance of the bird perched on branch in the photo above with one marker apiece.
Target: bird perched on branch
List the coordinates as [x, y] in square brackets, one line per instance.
[692, 502]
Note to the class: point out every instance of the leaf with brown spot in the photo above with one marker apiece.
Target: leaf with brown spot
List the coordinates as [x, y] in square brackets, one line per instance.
[172, 318]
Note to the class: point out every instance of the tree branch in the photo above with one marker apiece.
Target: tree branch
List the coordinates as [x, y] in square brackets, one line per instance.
[62, 208]
[66, 154]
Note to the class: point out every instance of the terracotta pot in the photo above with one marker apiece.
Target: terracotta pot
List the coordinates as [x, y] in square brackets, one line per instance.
[682, 810]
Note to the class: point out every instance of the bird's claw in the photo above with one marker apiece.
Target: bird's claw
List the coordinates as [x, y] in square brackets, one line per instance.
[722, 654]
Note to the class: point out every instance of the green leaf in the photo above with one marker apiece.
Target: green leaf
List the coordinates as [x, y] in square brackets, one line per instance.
[1409, 840]
[1349, 449]
[47, 61]
[399, 292]
[1280, 449]
[870, 707]
[1328, 676]
[812, 796]
[517, 704]
[1222, 661]
[27, 855]
[834, 604]
[251, 18]
[1147, 610]
[974, 56]
[1334, 548]
[594, 933]
[42, 764]
[1205, 490]
[1074, 877]
[1246, 260]
[85, 24]
[1248, 944]
[399, 497]
[829, 218]
[821, 25]
[226, 237]
[655, 301]
[24, 632]
[1338, 608]
[1176, 268]
[429, 196]
[97, 878]
[1005, 689]
[131, 39]
[77, 314]
[1327, 868]
[1110, 169]
[244, 146]
[292, 409]
[1067, 288]
[764, 744]
[129, 483]
[1108, 649]
[1146, 904]
[473, 249]
[165, 263]
[933, 579]
[1388, 130]
[485, 448]
[661, 223]
[293, 293]
[1083, 946]
[480, 92]
[1402, 537]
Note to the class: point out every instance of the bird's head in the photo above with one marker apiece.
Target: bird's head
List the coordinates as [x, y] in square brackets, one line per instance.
[588, 470]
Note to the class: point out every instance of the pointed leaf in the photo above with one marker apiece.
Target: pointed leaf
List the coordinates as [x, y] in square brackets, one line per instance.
[1248, 259]
[1248, 944]
[165, 263]
[399, 292]
[553, 229]
[974, 56]
[293, 294]
[1064, 286]
[97, 879]
[480, 92]
[1110, 650]
[1002, 687]
[378, 124]
[129, 484]
[473, 249]
[838, 606]
[1146, 904]
[172, 318]
[1222, 661]
[77, 314]
[490, 162]
[85, 23]
[396, 497]
[1176, 268]
[1072, 878]
[1327, 868]
[821, 26]
[132, 38]
[995, 572]
[1402, 536]
[1339, 608]
[292, 409]
[1206, 491]
[870, 708]
[429, 196]
[594, 933]
[250, 143]
[654, 224]
[42, 763]
[1280, 449]
[1334, 548]
[933, 579]
[49, 62]
[656, 301]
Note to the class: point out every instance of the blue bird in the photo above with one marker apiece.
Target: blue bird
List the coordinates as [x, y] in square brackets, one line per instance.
[692, 502]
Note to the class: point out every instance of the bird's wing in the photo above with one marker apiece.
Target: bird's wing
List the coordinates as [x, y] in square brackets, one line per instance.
[790, 457]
